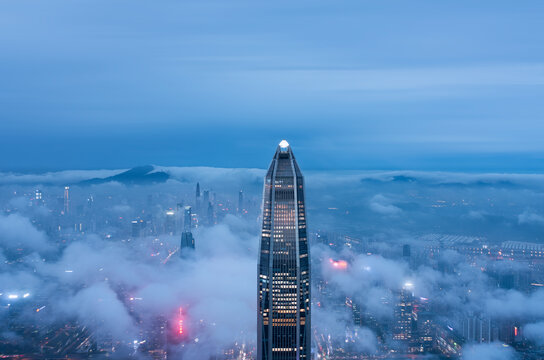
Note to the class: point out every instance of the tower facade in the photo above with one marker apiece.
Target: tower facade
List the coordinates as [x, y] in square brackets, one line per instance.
[240, 208]
[187, 240]
[283, 309]
[66, 200]
[187, 243]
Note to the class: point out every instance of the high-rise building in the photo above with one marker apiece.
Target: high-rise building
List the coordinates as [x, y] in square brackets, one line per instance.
[179, 216]
[211, 215]
[240, 208]
[206, 197]
[38, 198]
[405, 325]
[187, 243]
[283, 309]
[134, 229]
[66, 200]
[406, 251]
[187, 239]
[170, 222]
[187, 219]
[197, 197]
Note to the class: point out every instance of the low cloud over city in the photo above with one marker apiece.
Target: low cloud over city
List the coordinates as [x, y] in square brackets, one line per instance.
[92, 261]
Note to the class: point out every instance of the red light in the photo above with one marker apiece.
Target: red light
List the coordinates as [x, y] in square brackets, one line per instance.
[339, 264]
[180, 322]
[515, 331]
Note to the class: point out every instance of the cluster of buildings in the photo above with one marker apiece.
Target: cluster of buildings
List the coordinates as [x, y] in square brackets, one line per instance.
[413, 327]
[417, 326]
[70, 213]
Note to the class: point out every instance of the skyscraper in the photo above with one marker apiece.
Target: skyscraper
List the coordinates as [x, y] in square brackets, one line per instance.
[187, 219]
[170, 222]
[405, 315]
[206, 197]
[197, 197]
[38, 198]
[187, 243]
[240, 208]
[211, 216]
[66, 200]
[135, 228]
[283, 308]
[187, 239]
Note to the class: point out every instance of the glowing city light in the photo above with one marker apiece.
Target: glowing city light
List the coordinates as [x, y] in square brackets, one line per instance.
[284, 144]
[13, 296]
[339, 264]
[180, 322]
[26, 295]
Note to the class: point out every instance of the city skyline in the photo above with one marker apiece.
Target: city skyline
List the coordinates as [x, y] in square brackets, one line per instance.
[467, 247]
[152, 208]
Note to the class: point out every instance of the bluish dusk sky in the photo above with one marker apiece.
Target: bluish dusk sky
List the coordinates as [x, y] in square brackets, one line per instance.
[426, 85]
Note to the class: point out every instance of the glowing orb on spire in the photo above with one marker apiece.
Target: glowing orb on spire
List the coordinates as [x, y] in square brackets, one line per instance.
[284, 144]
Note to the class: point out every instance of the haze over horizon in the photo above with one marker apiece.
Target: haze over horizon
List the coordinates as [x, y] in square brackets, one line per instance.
[366, 85]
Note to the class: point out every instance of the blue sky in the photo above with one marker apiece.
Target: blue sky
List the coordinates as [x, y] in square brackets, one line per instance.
[422, 85]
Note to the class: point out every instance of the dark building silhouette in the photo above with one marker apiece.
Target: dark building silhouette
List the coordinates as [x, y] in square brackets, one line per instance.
[283, 317]
[187, 240]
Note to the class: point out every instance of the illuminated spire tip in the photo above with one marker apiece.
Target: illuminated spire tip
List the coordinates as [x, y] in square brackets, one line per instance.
[284, 144]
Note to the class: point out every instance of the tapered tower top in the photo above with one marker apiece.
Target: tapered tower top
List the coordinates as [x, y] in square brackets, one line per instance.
[283, 163]
[284, 145]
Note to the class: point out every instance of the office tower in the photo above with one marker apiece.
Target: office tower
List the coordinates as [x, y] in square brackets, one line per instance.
[170, 222]
[187, 219]
[407, 256]
[38, 198]
[211, 216]
[179, 217]
[356, 314]
[406, 251]
[240, 208]
[187, 243]
[477, 328]
[425, 329]
[66, 200]
[405, 326]
[90, 202]
[206, 197]
[135, 228]
[187, 239]
[283, 309]
[197, 198]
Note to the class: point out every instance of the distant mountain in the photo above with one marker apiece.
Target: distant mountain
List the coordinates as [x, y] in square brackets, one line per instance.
[140, 175]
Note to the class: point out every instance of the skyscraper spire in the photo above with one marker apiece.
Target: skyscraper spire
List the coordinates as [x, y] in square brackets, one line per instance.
[283, 305]
[197, 197]
[66, 200]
